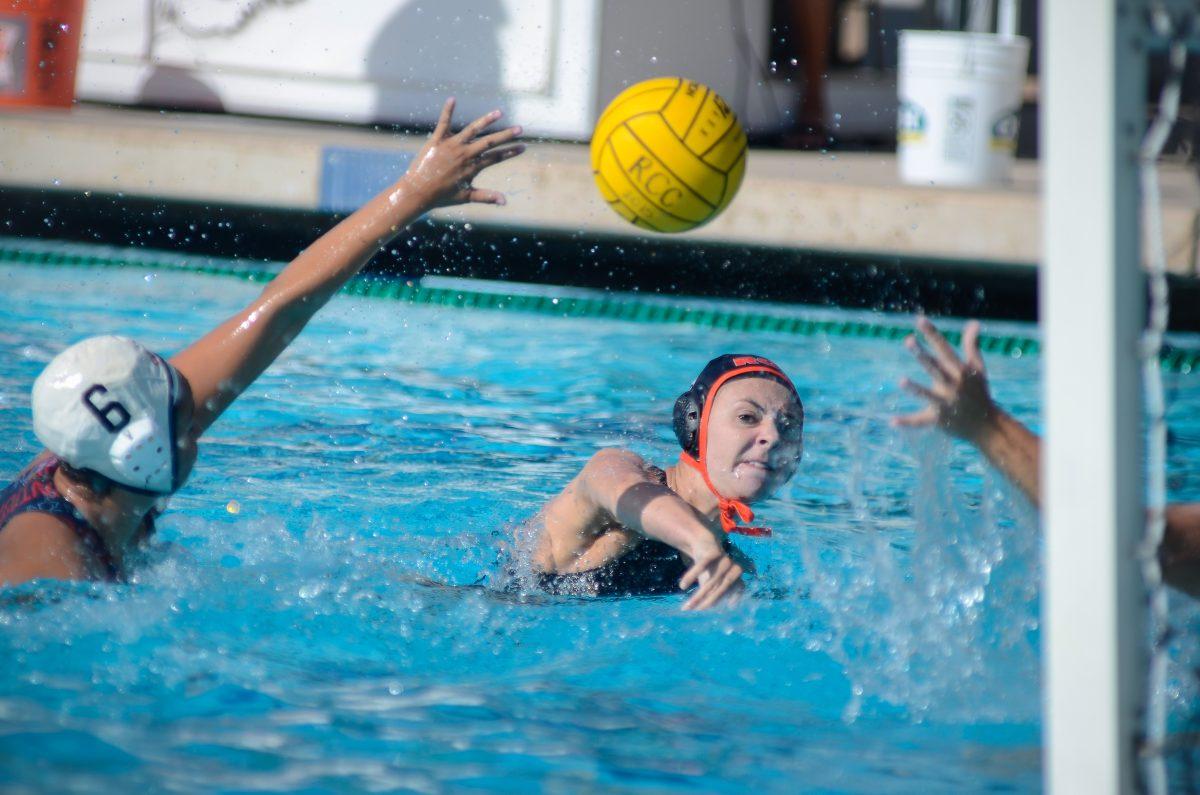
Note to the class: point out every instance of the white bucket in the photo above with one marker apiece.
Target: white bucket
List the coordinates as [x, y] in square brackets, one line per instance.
[960, 96]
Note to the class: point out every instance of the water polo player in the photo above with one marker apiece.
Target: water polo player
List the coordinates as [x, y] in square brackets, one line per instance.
[120, 423]
[625, 527]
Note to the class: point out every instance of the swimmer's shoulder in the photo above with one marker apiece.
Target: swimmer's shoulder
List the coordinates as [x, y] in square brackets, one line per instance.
[605, 464]
[606, 460]
[615, 456]
[36, 545]
[610, 471]
[579, 507]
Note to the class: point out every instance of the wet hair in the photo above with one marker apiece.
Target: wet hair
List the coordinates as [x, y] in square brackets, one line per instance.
[99, 485]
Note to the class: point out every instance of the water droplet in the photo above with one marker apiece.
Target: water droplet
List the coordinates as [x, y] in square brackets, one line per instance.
[653, 59]
[56, 181]
[65, 28]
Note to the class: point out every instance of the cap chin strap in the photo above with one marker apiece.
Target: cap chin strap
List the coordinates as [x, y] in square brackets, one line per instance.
[730, 510]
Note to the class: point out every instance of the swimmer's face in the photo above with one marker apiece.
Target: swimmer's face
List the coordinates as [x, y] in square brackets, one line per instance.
[755, 438]
[185, 437]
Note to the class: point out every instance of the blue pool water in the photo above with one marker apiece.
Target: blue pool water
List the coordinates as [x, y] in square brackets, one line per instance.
[342, 631]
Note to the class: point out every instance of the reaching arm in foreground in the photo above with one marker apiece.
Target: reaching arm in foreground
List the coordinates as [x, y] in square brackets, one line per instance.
[226, 360]
[960, 403]
[104, 519]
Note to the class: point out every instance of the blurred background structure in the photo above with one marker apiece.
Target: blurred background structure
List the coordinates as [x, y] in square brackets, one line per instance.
[781, 64]
[255, 122]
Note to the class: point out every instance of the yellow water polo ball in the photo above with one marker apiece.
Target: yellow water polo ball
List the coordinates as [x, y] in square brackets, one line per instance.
[668, 154]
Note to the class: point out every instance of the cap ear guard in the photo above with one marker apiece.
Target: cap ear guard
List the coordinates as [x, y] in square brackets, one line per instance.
[687, 421]
[142, 455]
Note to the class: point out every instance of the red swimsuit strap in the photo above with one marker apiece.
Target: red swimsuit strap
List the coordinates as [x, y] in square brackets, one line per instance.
[34, 491]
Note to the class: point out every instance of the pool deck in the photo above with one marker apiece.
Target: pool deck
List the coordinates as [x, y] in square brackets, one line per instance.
[846, 203]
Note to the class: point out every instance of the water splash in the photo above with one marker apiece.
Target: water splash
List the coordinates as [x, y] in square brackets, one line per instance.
[930, 617]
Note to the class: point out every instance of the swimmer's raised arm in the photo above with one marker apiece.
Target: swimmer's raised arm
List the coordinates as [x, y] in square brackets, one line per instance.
[228, 359]
[960, 403]
[618, 482]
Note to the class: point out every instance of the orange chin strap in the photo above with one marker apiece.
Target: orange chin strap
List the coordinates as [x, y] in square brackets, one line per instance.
[731, 510]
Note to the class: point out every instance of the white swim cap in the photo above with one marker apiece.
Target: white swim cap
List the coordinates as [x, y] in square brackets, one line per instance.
[106, 404]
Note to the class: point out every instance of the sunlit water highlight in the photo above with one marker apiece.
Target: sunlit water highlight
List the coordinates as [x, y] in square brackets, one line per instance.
[342, 630]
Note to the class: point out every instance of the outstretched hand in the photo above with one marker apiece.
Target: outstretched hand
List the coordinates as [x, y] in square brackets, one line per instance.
[719, 578]
[959, 400]
[448, 163]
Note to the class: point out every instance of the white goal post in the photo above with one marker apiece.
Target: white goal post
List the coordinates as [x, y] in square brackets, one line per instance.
[1092, 308]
